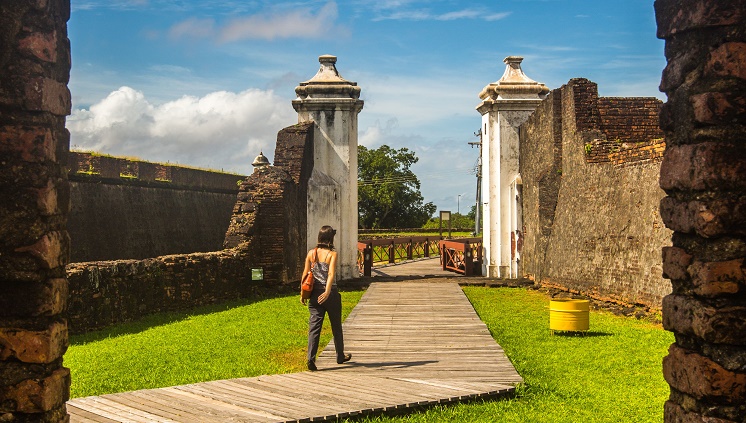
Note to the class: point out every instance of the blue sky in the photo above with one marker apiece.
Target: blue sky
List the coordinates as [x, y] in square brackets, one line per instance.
[209, 83]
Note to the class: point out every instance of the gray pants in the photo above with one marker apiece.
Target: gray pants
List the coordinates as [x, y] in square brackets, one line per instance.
[332, 306]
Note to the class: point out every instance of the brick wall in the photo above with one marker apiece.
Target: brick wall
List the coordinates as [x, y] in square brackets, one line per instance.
[34, 202]
[630, 132]
[274, 199]
[131, 209]
[591, 221]
[704, 176]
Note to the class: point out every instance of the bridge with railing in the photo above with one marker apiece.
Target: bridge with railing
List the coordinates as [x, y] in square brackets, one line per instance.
[459, 255]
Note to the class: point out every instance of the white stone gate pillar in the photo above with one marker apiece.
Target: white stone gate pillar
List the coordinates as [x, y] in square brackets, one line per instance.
[506, 104]
[333, 104]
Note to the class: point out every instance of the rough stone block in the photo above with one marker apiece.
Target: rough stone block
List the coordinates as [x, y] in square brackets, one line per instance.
[46, 199]
[24, 298]
[47, 95]
[30, 346]
[36, 395]
[31, 144]
[674, 16]
[701, 377]
[718, 278]
[728, 59]
[706, 218]
[52, 250]
[690, 316]
[674, 413]
[714, 108]
[710, 165]
[43, 46]
[675, 263]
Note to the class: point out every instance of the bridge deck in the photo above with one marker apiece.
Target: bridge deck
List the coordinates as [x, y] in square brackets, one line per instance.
[413, 344]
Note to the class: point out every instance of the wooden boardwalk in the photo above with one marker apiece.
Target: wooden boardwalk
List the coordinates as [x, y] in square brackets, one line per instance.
[413, 344]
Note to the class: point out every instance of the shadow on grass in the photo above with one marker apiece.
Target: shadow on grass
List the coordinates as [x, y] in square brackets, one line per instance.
[580, 334]
[169, 317]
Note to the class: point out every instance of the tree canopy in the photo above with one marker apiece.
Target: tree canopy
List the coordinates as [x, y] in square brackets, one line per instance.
[388, 191]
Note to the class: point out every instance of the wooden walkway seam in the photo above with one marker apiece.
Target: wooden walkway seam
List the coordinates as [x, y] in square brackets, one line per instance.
[413, 344]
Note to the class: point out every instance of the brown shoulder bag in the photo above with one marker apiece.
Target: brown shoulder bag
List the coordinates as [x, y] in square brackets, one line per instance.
[306, 285]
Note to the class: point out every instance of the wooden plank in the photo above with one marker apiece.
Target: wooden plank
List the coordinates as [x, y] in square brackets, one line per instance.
[201, 410]
[78, 414]
[277, 405]
[158, 400]
[238, 413]
[315, 402]
[212, 407]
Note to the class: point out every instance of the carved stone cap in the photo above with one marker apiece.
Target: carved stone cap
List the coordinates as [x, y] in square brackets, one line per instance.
[328, 83]
[260, 162]
[514, 84]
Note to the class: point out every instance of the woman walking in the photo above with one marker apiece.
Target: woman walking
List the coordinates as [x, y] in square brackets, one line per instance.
[325, 297]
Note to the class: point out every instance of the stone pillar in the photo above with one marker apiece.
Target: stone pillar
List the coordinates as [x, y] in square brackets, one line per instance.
[505, 105]
[704, 175]
[333, 103]
[34, 202]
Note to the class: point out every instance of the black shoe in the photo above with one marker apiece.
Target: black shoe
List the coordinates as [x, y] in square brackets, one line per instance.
[345, 358]
[312, 366]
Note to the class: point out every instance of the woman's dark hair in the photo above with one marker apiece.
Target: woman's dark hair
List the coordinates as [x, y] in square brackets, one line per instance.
[326, 237]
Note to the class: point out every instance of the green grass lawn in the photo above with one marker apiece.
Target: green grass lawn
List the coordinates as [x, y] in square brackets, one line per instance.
[612, 374]
[216, 342]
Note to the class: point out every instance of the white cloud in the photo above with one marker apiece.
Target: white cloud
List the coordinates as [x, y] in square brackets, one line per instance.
[221, 130]
[427, 15]
[374, 135]
[294, 23]
[193, 28]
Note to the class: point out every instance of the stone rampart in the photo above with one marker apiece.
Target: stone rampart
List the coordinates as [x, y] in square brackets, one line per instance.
[267, 232]
[110, 292]
[132, 209]
[589, 167]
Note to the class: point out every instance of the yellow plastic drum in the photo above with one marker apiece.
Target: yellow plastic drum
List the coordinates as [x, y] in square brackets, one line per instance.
[568, 314]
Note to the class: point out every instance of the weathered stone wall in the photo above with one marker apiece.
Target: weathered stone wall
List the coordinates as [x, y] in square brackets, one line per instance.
[267, 231]
[34, 202]
[590, 195]
[269, 219]
[131, 209]
[110, 292]
[704, 176]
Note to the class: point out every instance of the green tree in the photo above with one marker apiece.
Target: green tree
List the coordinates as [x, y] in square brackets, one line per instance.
[458, 221]
[388, 191]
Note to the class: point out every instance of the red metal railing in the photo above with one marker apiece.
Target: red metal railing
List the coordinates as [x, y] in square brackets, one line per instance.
[392, 250]
[462, 256]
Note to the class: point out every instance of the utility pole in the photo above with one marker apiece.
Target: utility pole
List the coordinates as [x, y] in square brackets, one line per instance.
[477, 211]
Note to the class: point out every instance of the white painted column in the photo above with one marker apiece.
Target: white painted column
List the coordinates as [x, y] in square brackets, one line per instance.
[506, 104]
[333, 104]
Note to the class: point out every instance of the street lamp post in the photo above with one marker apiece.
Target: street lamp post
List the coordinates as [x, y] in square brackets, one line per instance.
[458, 205]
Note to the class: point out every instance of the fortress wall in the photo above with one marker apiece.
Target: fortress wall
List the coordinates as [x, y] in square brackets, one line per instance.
[267, 232]
[131, 209]
[591, 207]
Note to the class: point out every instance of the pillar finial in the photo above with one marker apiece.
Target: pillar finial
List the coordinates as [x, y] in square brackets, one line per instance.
[260, 162]
[514, 83]
[327, 85]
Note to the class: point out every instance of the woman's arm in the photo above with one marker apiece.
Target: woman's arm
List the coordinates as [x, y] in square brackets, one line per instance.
[330, 279]
[306, 269]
